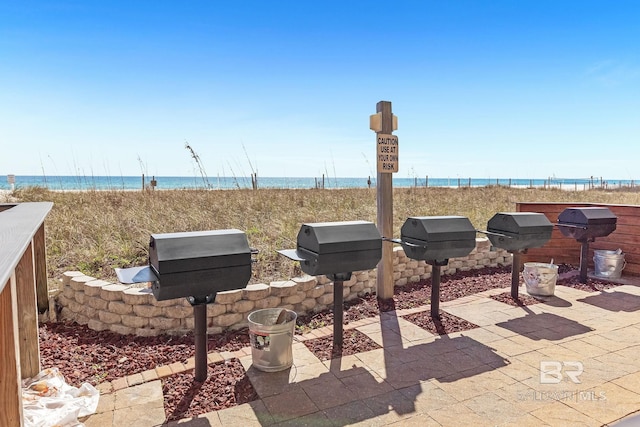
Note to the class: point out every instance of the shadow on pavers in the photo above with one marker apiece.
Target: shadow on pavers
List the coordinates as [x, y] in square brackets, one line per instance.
[546, 326]
[614, 301]
[555, 301]
[333, 397]
[446, 359]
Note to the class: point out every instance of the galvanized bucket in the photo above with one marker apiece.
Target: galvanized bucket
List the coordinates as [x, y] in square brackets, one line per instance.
[271, 342]
[609, 264]
[540, 278]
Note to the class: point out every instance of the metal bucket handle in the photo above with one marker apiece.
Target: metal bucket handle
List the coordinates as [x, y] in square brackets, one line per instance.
[624, 263]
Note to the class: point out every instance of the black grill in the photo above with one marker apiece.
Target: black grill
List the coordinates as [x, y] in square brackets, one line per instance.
[195, 265]
[584, 225]
[336, 249]
[198, 264]
[516, 232]
[435, 239]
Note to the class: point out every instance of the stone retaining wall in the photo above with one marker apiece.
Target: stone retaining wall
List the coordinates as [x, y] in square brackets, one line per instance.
[130, 309]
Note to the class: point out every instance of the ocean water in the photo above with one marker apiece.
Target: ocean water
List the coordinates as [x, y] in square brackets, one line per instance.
[228, 183]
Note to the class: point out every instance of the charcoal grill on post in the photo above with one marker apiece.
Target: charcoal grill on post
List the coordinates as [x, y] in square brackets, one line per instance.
[584, 225]
[516, 232]
[336, 249]
[195, 265]
[435, 239]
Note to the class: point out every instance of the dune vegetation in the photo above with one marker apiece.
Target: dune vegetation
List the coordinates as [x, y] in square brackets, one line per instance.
[95, 231]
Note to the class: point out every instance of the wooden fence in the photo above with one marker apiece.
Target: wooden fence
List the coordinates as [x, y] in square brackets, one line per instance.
[567, 250]
[23, 292]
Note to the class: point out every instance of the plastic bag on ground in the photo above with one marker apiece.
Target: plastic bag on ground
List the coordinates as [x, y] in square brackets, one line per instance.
[49, 401]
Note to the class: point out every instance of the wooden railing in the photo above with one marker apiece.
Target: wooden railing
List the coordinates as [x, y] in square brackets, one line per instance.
[567, 250]
[23, 293]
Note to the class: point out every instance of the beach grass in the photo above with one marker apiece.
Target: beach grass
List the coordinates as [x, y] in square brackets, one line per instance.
[95, 231]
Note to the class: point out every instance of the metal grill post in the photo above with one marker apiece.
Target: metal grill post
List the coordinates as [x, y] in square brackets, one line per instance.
[338, 286]
[584, 260]
[200, 335]
[435, 286]
[338, 302]
[435, 291]
[515, 274]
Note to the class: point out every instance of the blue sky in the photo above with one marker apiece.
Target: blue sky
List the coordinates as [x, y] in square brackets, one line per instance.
[484, 89]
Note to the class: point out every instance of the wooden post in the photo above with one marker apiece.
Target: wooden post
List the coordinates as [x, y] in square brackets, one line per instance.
[40, 261]
[384, 193]
[10, 385]
[27, 316]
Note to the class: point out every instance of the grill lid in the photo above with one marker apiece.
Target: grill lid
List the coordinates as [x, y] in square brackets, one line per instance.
[193, 264]
[431, 229]
[519, 223]
[587, 216]
[517, 231]
[341, 236]
[337, 247]
[198, 250]
[587, 223]
[437, 238]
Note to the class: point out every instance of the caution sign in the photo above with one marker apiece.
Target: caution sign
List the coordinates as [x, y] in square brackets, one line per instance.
[387, 153]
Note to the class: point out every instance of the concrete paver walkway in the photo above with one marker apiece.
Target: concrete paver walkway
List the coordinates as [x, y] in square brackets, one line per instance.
[571, 360]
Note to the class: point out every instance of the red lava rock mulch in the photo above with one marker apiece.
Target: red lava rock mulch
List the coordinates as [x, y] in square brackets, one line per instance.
[413, 295]
[522, 300]
[592, 285]
[85, 355]
[445, 324]
[226, 386]
[353, 342]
